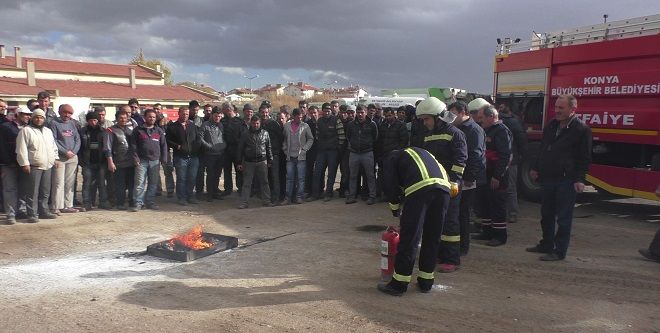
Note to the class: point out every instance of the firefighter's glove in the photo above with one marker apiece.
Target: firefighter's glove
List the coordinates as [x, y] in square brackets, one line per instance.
[453, 189]
[396, 212]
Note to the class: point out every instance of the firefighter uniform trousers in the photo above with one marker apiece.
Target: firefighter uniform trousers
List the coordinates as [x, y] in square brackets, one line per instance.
[494, 209]
[449, 251]
[422, 217]
[415, 177]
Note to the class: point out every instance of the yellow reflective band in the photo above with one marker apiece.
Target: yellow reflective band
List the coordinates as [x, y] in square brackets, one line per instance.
[418, 161]
[426, 180]
[401, 278]
[451, 239]
[435, 137]
[394, 206]
[425, 275]
[423, 183]
[458, 169]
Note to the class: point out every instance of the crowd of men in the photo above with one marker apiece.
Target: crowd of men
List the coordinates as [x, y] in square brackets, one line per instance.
[285, 158]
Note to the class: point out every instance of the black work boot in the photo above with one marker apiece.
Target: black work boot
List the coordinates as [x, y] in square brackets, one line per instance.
[394, 287]
[424, 285]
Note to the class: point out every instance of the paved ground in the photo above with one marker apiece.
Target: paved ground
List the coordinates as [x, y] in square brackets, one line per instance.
[85, 273]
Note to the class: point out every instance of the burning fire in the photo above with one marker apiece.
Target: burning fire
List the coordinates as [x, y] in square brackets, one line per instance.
[192, 240]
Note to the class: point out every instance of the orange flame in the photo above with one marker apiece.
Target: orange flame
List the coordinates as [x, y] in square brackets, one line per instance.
[192, 240]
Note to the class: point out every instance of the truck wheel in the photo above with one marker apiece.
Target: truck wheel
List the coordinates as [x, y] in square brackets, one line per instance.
[529, 188]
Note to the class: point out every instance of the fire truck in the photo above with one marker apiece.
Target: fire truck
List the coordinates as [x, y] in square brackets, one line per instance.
[613, 69]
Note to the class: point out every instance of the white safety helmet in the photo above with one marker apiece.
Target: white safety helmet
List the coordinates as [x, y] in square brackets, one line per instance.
[431, 107]
[477, 104]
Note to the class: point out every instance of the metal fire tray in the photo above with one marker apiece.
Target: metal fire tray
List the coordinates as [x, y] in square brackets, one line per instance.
[181, 253]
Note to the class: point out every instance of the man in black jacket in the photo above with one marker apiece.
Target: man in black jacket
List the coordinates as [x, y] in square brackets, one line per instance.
[362, 135]
[346, 115]
[519, 150]
[561, 169]
[14, 181]
[184, 139]
[498, 158]
[311, 120]
[475, 167]
[329, 138]
[233, 127]
[92, 162]
[392, 135]
[276, 135]
[254, 157]
[120, 162]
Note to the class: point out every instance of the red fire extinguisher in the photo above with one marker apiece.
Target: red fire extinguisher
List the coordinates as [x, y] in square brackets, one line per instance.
[388, 248]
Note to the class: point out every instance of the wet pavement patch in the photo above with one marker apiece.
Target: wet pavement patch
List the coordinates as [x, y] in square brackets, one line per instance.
[371, 227]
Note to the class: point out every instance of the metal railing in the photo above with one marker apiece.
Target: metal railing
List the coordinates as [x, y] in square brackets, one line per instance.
[639, 26]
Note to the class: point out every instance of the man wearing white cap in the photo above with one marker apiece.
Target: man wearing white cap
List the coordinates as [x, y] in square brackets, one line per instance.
[36, 154]
[12, 179]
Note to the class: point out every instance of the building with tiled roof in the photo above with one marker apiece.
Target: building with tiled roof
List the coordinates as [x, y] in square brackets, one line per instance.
[301, 90]
[346, 92]
[85, 85]
[270, 90]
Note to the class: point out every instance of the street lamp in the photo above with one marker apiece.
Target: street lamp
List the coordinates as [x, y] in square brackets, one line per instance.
[250, 78]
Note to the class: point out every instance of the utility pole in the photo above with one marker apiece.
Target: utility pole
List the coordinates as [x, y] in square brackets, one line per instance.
[250, 78]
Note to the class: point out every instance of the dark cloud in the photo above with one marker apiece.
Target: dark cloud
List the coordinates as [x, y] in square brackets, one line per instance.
[383, 43]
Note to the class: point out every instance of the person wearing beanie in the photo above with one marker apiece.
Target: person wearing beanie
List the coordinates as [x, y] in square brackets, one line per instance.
[36, 154]
[92, 162]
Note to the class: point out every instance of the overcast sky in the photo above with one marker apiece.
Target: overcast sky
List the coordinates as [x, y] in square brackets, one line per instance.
[377, 44]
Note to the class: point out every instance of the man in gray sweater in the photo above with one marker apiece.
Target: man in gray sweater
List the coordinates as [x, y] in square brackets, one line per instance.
[298, 139]
[67, 139]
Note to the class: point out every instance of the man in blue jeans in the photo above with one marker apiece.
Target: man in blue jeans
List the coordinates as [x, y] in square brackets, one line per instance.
[298, 140]
[184, 140]
[149, 150]
[561, 168]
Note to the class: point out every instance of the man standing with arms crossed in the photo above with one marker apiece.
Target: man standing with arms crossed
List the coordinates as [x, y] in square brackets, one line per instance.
[561, 168]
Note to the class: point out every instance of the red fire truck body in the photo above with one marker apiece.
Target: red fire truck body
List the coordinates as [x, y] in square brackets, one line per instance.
[614, 71]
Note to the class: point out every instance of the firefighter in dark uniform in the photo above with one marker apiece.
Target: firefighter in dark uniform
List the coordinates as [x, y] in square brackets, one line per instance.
[498, 158]
[447, 144]
[415, 179]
